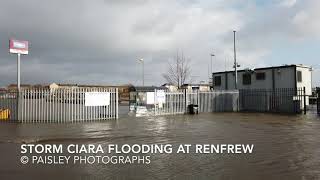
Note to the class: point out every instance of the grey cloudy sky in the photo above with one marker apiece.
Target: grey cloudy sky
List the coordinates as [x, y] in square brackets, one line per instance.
[99, 42]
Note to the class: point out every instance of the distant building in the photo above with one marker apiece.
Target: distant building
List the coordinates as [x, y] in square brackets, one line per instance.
[123, 90]
[3, 89]
[62, 86]
[195, 87]
[14, 86]
[170, 87]
[287, 76]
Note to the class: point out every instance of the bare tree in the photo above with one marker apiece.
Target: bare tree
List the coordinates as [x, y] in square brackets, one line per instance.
[179, 70]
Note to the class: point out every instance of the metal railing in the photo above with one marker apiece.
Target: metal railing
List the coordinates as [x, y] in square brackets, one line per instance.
[218, 101]
[59, 105]
[8, 106]
[207, 101]
[175, 103]
[317, 95]
[283, 100]
[318, 105]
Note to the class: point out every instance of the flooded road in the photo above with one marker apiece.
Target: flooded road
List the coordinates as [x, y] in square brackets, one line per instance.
[285, 147]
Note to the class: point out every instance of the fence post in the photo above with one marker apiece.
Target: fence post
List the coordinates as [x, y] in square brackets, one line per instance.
[318, 105]
[238, 102]
[154, 102]
[304, 101]
[17, 106]
[117, 103]
[198, 97]
[185, 101]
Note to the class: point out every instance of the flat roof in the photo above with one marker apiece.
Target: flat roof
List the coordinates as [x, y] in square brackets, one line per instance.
[265, 68]
[147, 88]
[195, 85]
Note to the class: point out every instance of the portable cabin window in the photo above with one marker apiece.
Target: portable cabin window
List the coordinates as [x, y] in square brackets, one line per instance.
[195, 88]
[217, 80]
[299, 76]
[246, 79]
[260, 76]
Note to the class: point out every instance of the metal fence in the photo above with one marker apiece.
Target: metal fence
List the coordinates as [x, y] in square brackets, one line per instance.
[218, 101]
[60, 105]
[318, 105]
[283, 100]
[175, 103]
[316, 95]
[8, 106]
[207, 101]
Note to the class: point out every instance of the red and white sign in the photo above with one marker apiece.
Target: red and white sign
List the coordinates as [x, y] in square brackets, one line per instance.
[18, 47]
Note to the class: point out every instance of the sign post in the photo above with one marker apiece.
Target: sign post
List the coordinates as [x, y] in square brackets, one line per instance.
[18, 72]
[18, 47]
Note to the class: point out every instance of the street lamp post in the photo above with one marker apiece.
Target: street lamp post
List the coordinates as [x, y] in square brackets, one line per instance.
[142, 61]
[235, 61]
[311, 70]
[211, 55]
[211, 62]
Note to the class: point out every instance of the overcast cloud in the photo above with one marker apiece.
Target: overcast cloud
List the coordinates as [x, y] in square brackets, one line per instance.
[100, 42]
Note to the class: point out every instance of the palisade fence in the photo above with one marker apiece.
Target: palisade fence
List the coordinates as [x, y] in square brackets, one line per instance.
[68, 105]
[317, 95]
[318, 105]
[207, 101]
[175, 103]
[218, 101]
[59, 105]
[282, 100]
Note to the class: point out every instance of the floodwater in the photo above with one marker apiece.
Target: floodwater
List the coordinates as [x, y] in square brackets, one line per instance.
[285, 147]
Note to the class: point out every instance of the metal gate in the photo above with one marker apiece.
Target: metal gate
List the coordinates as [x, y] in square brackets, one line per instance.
[175, 103]
[57, 105]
